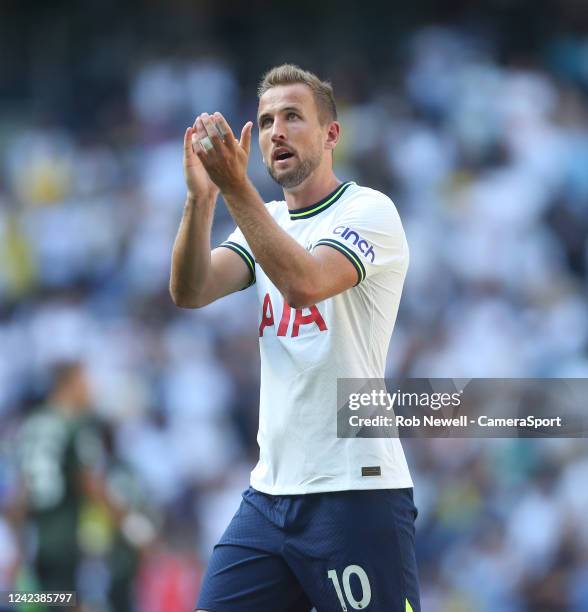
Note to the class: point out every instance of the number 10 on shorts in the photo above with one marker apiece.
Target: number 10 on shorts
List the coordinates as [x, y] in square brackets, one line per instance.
[366, 591]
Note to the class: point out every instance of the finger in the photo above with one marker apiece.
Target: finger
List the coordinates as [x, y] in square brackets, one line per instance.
[245, 141]
[200, 140]
[225, 128]
[198, 133]
[220, 129]
[191, 146]
[198, 128]
[192, 140]
[211, 131]
[202, 155]
[188, 150]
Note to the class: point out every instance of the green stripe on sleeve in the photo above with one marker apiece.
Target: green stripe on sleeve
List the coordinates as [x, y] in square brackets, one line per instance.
[245, 256]
[351, 256]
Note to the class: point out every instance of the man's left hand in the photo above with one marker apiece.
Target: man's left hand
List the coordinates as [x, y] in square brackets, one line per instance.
[222, 155]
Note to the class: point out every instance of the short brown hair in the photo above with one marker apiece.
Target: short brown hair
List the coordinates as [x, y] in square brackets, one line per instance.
[290, 74]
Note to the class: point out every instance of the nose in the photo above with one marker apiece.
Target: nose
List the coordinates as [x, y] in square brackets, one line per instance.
[278, 130]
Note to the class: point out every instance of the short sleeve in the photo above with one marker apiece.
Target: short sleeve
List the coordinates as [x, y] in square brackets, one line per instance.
[237, 243]
[368, 231]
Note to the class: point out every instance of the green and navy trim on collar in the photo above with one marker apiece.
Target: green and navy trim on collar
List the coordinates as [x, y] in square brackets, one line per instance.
[351, 256]
[245, 256]
[315, 209]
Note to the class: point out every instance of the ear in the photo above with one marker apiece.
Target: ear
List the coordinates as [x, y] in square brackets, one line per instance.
[333, 135]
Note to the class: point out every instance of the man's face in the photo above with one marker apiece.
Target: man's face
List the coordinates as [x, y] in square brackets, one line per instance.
[291, 137]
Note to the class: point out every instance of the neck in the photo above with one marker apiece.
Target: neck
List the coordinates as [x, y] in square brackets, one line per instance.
[313, 189]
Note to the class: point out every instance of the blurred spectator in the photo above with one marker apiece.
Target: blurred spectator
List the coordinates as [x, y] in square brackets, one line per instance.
[58, 450]
[73, 514]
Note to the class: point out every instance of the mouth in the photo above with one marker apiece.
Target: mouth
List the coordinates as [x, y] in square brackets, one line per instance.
[282, 155]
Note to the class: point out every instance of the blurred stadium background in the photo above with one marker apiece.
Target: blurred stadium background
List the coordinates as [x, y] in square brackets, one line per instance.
[471, 115]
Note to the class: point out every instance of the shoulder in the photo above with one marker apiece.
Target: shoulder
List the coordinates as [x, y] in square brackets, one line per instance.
[369, 205]
[366, 196]
[41, 419]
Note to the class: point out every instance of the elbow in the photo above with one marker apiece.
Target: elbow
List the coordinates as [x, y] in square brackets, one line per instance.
[302, 296]
[184, 300]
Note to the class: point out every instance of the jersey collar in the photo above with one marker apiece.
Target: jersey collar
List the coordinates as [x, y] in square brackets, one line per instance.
[318, 207]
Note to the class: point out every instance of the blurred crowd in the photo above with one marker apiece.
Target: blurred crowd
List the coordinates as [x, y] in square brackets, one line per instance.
[487, 162]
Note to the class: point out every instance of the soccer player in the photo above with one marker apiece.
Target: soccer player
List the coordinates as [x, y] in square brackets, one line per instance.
[62, 461]
[59, 447]
[327, 522]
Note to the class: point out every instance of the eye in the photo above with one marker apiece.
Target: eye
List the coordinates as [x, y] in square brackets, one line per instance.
[264, 122]
[292, 114]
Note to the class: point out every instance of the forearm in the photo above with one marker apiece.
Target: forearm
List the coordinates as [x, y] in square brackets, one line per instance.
[290, 267]
[190, 268]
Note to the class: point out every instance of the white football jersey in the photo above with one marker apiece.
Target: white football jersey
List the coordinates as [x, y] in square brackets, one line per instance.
[304, 351]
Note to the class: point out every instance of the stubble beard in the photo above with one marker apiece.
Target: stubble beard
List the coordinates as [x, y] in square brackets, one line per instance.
[293, 178]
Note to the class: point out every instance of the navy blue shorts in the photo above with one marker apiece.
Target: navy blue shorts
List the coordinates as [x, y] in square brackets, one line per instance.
[347, 550]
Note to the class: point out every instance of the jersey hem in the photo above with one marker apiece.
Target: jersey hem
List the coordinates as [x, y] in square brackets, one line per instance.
[367, 486]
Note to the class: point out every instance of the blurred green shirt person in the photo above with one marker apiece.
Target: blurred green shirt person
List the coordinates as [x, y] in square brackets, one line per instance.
[59, 447]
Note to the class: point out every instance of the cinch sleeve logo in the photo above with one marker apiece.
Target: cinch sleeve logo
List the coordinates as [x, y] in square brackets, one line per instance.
[363, 245]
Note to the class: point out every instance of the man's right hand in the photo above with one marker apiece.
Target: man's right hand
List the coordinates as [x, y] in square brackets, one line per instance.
[200, 187]
[200, 276]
